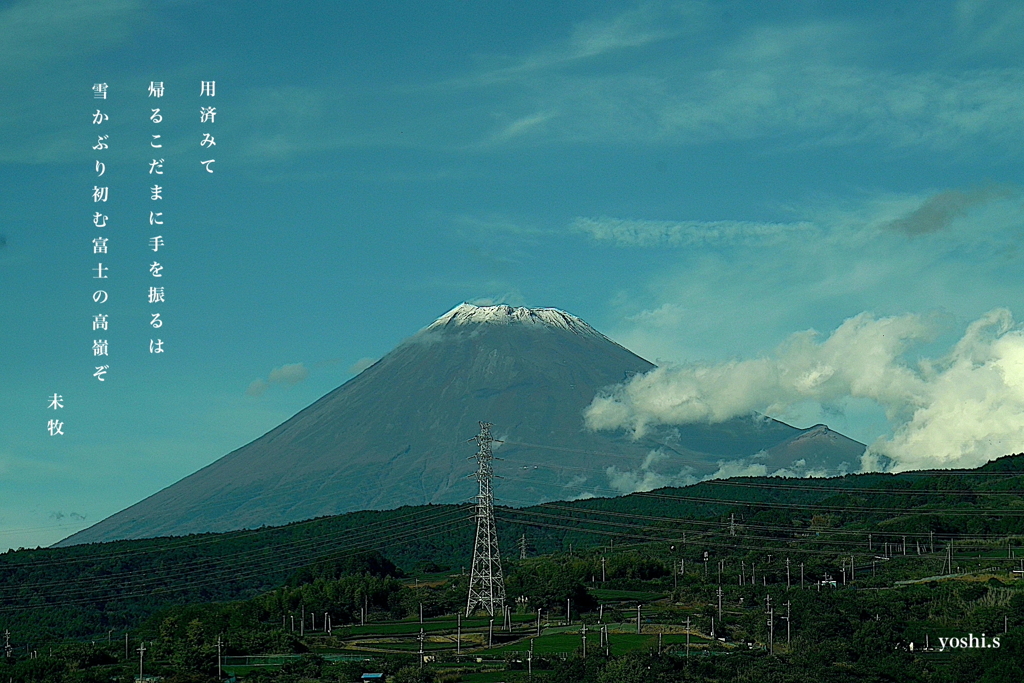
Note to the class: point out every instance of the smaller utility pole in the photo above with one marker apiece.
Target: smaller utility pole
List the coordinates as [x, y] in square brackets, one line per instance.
[421, 648]
[638, 619]
[458, 633]
[141, 651]
[787, 573]
[687, 636]
[787, 623]
[220, 670]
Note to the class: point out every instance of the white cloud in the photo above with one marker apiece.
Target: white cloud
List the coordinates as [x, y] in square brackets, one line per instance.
[648, 477]
[361, 365]
[257, 387]
[290, 375]
[744, 467]
[960, 410]
[739, 468]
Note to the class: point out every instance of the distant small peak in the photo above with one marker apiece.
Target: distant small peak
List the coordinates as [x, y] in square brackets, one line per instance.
[503, 314]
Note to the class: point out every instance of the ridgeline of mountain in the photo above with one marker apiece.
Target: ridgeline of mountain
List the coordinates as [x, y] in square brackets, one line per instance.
[397, 434]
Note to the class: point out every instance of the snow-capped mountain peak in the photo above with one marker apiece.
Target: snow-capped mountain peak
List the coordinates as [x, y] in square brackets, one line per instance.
[468, 314]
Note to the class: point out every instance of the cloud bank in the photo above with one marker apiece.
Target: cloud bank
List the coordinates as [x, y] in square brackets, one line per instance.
[960, 410]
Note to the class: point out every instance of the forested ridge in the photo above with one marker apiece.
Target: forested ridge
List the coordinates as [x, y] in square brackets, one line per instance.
[903, 557]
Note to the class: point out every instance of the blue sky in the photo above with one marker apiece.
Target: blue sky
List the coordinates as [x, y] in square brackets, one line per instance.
[808, 209]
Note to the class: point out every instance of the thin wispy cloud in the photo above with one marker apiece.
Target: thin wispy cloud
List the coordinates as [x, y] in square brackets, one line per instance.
[804, 78]
[640, 26]
[521, 126]
[648, 233]
[40, 32]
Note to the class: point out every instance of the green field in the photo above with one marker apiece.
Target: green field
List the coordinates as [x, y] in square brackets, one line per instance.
[611, 595]
[566, 642]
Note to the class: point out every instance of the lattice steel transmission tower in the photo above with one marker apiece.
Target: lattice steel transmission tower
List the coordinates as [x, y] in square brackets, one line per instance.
[486, 583]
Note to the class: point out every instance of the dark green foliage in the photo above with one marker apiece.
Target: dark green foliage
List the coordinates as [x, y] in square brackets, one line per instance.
[369, 563]
[548, 584]
[181, 595]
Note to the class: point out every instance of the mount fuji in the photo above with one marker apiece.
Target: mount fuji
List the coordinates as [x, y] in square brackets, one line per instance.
[396, 434]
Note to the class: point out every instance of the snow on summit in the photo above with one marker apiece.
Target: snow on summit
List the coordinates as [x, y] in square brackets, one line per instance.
[468, 314]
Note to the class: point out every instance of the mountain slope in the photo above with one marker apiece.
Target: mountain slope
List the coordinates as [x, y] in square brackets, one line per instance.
[397, 433]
